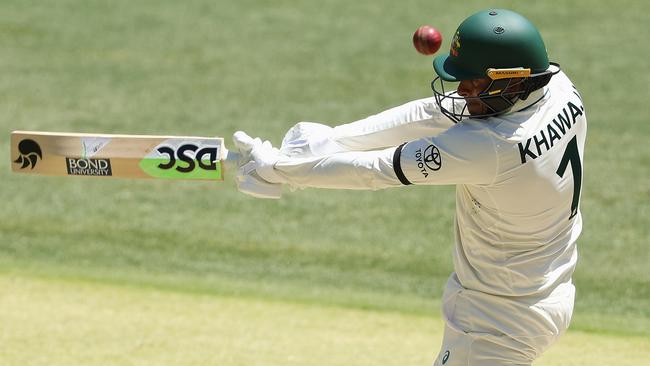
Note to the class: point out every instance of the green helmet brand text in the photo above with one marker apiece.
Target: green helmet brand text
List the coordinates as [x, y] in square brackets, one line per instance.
[187, 161]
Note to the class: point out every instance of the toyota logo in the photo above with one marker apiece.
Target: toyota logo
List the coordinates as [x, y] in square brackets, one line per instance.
[432, 158]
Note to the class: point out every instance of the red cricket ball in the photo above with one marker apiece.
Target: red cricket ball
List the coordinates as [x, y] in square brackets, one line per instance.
[427, 40]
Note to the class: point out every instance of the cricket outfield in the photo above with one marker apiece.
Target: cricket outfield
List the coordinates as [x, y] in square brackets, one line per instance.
[54, 322]
[129, 272]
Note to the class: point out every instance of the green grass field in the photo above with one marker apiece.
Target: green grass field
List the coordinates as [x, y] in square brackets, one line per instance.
[150, 272]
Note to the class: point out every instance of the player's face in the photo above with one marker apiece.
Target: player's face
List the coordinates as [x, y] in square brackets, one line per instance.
[469, 89]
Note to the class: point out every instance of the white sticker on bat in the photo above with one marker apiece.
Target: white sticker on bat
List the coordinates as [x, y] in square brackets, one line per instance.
[90, 146]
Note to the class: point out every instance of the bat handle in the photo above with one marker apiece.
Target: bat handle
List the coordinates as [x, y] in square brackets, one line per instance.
[231, 158]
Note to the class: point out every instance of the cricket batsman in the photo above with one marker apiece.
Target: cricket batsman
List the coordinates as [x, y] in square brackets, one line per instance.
[510, 136]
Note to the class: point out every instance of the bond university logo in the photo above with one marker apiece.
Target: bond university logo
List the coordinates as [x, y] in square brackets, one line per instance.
[455, 44]
[428, 160]
[30, 153]
[89, 167]
[86, 165]
[184, 159]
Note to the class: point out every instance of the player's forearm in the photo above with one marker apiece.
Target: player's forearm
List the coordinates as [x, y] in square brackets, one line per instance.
[392, 127]
[349, 170]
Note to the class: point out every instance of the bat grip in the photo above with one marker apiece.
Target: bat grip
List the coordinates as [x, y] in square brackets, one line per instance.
[231, 158]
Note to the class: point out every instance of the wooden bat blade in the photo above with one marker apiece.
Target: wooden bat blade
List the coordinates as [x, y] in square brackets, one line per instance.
[118, 156]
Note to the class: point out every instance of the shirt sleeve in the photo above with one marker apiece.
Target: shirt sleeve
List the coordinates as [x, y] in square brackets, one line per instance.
[369, 170]
[409, 121]
[464, 154]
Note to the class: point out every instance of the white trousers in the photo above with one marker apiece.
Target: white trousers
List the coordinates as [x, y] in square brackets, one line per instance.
[488, 330]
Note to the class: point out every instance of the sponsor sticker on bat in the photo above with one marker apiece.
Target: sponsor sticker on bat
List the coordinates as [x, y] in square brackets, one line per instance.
[92, 145]
[89, 167]
[184, 159]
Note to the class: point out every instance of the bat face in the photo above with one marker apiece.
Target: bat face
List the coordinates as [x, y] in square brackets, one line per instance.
[119, 156]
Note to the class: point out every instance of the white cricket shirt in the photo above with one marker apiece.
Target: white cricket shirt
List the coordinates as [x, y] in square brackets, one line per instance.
[517, 175]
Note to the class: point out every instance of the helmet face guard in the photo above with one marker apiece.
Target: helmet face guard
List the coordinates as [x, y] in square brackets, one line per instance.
[498, 97]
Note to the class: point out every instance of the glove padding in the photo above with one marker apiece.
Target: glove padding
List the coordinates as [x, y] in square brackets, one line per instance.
[309, 139]
[255, 174]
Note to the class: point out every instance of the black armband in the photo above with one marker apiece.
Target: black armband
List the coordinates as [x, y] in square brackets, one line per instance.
[397, 165]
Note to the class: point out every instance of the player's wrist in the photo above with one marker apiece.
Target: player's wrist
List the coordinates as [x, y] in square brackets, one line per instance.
[270, 174]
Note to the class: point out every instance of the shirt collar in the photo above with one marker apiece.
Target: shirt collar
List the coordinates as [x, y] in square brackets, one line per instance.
[533, 97]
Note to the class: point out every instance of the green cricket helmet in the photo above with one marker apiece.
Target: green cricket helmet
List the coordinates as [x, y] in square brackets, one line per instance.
[498, 44]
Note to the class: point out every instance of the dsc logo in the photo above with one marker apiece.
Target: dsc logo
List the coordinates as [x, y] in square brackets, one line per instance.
[186, 157]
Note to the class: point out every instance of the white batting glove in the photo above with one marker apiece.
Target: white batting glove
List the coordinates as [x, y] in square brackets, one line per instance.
[309, 139]
[255, 174]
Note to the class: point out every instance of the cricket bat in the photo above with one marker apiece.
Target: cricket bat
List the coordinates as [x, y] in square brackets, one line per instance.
[120, 156]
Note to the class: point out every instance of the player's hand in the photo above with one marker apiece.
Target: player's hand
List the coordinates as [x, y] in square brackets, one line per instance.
[308, 139]
[255, 175]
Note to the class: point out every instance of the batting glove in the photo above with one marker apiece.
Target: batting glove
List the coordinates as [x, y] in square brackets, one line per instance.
[255, 174]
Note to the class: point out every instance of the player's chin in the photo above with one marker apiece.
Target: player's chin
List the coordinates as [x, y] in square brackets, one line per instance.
[476, 108]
